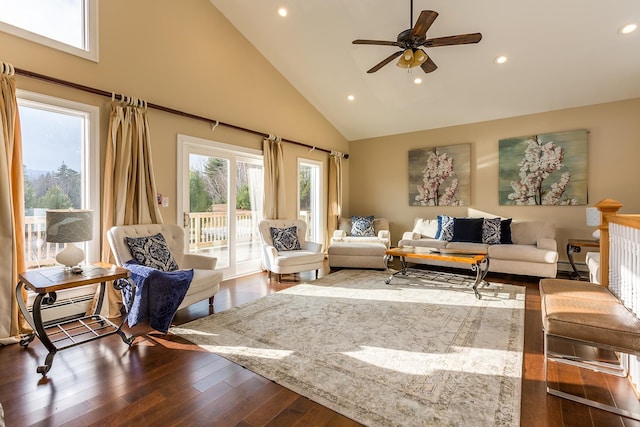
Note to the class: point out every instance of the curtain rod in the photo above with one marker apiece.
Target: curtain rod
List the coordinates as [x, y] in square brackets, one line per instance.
[100, 92]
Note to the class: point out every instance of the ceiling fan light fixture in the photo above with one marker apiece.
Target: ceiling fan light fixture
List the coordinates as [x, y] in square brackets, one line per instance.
[419, 57]
[403, 63]
[408, 55]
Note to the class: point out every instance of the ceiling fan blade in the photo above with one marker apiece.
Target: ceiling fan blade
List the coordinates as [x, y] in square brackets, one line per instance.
[428, 66]
[452, 40]
[424, 22]
[385, 61]
[376, 42]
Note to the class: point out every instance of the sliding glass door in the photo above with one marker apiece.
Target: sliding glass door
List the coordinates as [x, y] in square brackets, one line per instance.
[220, 201]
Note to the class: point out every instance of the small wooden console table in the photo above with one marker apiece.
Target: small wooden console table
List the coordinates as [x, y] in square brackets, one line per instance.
[479, 262]
[575, 246]
[45, 282]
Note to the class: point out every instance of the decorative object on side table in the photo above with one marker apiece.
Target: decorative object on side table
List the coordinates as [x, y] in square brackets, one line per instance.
[593, 220]
[69, 226]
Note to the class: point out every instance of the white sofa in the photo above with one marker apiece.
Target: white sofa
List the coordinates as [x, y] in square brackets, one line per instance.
[380, 226]
[534, 251]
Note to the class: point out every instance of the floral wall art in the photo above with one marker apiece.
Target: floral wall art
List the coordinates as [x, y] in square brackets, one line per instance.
[545, 169]
[439, 176]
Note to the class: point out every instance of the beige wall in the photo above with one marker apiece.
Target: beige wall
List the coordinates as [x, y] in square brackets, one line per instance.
[183, 55]
[379, 168]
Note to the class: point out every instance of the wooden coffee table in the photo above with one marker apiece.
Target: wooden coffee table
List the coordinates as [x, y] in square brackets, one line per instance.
[479, 262]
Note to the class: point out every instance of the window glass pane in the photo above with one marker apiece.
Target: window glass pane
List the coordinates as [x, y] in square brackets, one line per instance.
[52, 154]
[61, 20]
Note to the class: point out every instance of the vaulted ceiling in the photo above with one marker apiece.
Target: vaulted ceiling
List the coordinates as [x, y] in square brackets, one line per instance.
[561, 54]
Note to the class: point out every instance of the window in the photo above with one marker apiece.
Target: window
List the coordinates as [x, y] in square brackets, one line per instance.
[61, 168]
[310, 207]
[67, 25]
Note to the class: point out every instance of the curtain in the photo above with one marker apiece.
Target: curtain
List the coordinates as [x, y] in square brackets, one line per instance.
[335, 194]
[274, 206]
[12, 242]
[129, 192]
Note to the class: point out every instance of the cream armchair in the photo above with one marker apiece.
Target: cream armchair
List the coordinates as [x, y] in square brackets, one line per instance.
[206, 279]
[381, 228]
[308, 257]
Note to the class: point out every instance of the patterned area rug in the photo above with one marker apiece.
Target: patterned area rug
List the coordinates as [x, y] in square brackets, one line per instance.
[412, 353]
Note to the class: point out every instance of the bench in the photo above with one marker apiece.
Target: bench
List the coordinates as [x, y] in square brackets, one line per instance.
[590, 314]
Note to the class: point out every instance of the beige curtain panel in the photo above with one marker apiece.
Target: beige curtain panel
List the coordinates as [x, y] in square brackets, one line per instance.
[274, 203]
[335, 194]
[12, 243]
[129, 193]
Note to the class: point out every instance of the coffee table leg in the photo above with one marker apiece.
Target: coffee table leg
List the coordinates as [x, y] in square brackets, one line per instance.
[402, 271]
[481, 269]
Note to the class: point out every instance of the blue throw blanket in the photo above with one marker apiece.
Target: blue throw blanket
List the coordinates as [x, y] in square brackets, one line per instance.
[158, 295]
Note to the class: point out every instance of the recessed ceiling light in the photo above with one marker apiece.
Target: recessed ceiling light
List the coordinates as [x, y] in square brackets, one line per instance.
[417, 80]
[627, 29]
[351, 97]
[282, 11]
[500, 59]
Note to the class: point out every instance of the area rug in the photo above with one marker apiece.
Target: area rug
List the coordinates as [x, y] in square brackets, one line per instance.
[413, 353]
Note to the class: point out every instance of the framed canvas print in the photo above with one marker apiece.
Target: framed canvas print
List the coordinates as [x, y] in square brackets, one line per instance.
[439, 176]
[545, 169]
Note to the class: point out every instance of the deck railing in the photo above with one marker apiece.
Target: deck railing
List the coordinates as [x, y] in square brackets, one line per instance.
[620, 265]
[208, 229]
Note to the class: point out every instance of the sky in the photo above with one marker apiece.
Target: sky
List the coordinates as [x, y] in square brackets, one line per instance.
[57, 19]
[50, 138]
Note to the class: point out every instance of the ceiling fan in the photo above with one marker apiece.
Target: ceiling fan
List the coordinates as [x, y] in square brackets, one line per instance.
[413, 39]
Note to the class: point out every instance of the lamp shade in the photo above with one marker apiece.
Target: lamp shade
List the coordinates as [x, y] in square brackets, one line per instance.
[69, 226]
[593, 217]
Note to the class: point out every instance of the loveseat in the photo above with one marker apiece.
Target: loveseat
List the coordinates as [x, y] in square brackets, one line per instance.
[379, 234]
[514, 247]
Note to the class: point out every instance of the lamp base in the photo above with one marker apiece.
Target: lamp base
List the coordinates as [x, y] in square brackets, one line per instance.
[70, 256]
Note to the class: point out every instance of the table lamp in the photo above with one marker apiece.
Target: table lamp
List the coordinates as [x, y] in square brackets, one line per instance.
[69, 226]
[593, 220]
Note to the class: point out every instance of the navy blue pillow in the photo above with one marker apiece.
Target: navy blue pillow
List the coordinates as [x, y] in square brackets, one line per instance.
[467, 230]
[505, 231]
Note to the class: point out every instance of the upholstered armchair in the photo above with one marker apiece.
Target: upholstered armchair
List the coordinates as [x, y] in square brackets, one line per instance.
[379, 234]
[206, 279]
[286, 249]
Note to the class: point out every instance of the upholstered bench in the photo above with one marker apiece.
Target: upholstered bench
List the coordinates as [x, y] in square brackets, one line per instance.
[357, 255]
[590, 314]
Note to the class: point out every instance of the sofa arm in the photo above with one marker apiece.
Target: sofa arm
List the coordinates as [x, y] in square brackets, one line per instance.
[200, 262]
[410, 235]
[312, 246]
[548, 244]
[339, 234]
[384, 234]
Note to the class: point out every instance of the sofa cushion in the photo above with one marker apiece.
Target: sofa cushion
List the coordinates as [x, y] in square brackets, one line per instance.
[445, 228]
[285, 239]
[528, 253]
[362, 226]
[152, 251]
[467, 230]
[528, 232]
[491, 231]
[426, 227]
[480, 248]
[505, 231]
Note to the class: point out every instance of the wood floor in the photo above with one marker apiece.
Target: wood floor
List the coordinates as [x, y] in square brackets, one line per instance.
[165, 381]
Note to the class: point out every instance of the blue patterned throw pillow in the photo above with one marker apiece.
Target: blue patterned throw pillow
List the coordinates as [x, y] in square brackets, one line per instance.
[285, 239]
[152, 251]
[491, 230]
[362, 226]
[445, 228]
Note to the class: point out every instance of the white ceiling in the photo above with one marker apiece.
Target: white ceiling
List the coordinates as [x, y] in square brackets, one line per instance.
[562, 53]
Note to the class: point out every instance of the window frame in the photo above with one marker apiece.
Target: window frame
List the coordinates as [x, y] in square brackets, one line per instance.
[90, 33]
[91, 194]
